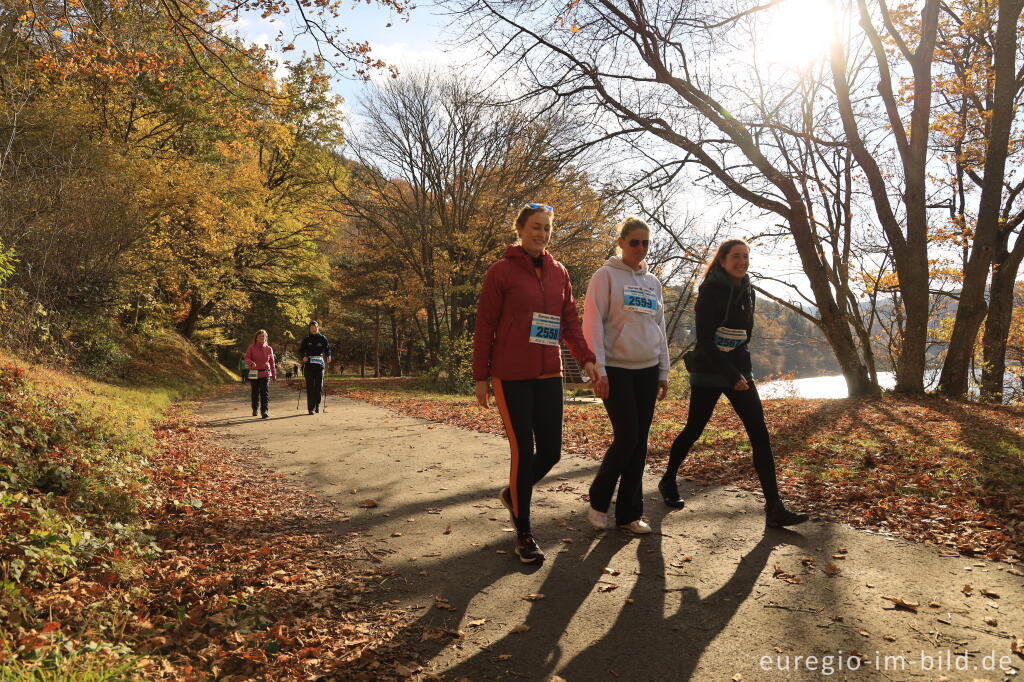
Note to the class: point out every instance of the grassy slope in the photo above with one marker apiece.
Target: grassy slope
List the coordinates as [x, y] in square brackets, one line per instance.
[73, 485]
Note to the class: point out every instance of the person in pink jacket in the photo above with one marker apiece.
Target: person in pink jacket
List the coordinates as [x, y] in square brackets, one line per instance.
[259, 358]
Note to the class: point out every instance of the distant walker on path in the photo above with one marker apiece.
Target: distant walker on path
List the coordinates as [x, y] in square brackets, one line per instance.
[259, 357]
[315, 350]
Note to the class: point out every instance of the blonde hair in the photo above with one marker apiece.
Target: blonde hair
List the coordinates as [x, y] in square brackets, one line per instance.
[628, 226]
[256, 336]
[721, 252]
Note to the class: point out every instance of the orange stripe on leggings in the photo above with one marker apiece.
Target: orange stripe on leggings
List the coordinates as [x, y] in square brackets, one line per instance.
[506, 418]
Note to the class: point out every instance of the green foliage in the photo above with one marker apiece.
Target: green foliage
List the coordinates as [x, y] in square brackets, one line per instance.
[60, 666]
[678, 382]
[454, 372]
[7, 261]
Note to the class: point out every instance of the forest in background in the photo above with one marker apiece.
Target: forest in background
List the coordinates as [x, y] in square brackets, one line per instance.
[159, 173]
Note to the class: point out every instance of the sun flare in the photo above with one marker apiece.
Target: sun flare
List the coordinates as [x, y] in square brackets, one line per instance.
[796, 33]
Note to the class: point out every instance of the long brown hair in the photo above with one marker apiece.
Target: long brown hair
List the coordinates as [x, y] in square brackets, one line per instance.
[721, 252]
[256, 336]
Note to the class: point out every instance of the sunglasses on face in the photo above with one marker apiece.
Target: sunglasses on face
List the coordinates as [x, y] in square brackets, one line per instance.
[637, 242]
[543, 207]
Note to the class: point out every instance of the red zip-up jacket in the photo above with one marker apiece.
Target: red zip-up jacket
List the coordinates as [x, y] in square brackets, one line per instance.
[511, 294]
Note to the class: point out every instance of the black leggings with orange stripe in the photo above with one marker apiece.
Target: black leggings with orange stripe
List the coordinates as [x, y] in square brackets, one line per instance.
[531, 410]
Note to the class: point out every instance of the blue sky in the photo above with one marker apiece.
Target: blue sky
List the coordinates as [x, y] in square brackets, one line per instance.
[419, 39]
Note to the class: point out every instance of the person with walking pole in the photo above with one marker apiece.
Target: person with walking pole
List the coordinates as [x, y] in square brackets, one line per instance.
[624, 322]
[720, 363]
[525, 309]
[259, 358]
[315, 350]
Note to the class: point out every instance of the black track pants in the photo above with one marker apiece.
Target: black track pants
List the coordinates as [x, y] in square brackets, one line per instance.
[632, 394]
[531, 410]
[314, 384]
[260, 389]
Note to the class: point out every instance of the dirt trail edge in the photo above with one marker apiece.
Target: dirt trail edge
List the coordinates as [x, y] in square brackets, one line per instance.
[710, 595]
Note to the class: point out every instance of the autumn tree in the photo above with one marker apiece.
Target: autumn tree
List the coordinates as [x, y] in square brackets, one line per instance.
[440, 170]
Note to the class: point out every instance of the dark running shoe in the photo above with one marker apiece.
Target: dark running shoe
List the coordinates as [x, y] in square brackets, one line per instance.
[266, 415]
[506, 501]
[778, 516]
[669, 490]
[317, 409]
[311, 411]
[527, 549]
[254, 411]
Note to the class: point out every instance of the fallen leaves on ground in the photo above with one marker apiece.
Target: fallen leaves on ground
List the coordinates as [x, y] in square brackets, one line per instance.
[901, 603]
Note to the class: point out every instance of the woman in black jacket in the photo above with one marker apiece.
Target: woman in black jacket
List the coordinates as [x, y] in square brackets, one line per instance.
[719, 364]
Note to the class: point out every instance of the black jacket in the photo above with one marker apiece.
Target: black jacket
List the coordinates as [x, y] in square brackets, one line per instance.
[315, 344]
[720, 303]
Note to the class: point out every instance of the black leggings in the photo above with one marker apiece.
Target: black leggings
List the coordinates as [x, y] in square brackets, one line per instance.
[748, 407]
[632, 394]
[260, 394]
[531, 410]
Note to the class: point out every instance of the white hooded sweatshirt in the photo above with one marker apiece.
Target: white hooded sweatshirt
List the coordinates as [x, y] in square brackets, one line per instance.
[624, 318]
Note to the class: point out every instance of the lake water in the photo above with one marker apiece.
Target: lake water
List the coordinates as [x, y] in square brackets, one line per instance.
[834, 386]
[831, 386]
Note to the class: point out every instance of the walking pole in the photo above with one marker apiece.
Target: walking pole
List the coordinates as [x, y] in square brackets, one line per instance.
[323, 393]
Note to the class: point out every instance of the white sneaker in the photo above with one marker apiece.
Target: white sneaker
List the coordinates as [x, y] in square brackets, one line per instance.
[598, 520]
[640, 527]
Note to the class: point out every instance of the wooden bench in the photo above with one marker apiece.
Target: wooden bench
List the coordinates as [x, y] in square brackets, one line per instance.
[573, 376]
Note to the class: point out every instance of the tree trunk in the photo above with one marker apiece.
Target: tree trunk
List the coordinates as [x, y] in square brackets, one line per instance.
[396, 345]
[1000, 315]
[972, 308]
[376, 342]
[196, 311]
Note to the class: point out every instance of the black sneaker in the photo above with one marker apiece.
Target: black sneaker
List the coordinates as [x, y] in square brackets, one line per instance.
[317, 409]
[266, 415]
[527, 549]
[670, 493]
[778, 516]
[506, 501]
[254, 412]
[311, 411]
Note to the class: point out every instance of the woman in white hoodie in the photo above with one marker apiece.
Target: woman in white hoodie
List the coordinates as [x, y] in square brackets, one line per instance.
[624, 322]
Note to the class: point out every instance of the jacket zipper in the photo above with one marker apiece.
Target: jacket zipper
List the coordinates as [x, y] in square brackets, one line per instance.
[544, 307]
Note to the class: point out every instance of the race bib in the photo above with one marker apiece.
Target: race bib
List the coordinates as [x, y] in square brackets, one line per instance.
[254, 374]
[316, 360]
[729, 339]
[546, 329]
[639, 299]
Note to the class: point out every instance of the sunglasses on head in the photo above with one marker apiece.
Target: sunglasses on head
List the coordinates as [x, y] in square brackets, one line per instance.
[543, 207]
[637, 242]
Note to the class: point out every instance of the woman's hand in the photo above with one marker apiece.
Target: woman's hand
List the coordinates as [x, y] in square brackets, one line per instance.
[742, 385]
[483, 393]
[662, 390]
[601, 388]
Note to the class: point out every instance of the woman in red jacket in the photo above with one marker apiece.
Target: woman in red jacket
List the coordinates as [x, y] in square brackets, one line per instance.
[260, 358]
[526, 308]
